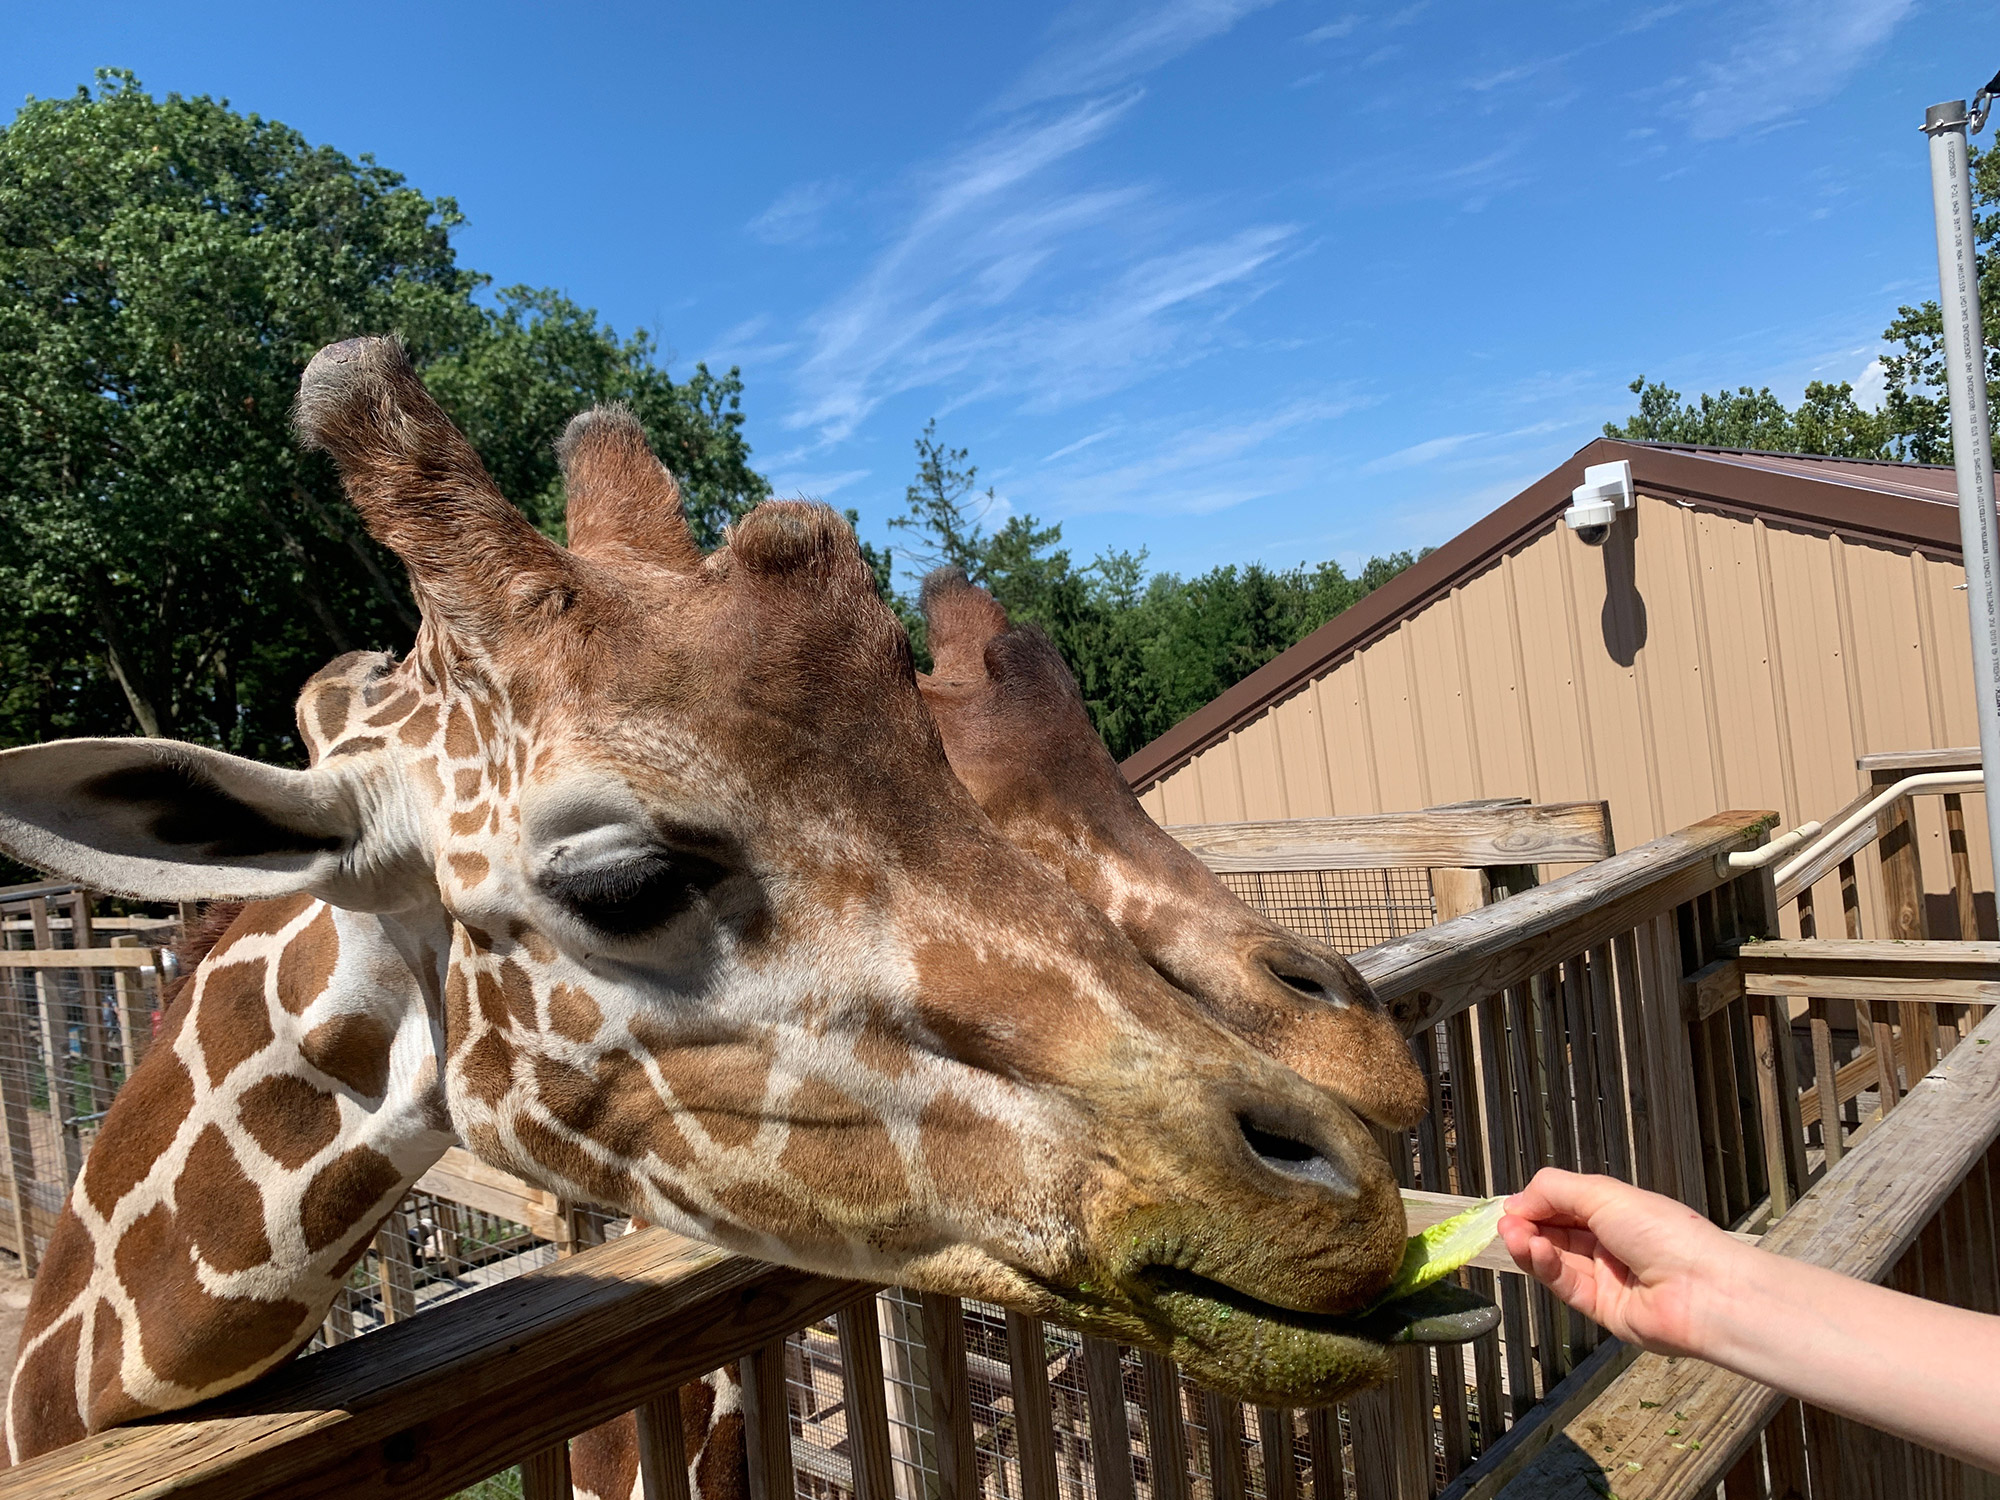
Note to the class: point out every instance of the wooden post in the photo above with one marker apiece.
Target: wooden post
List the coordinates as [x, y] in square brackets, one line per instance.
[545, 1475]
[951, 1396]
[96, 1052]
[1222, 1421]
[16, 1091]
[1166, 1432]
[663, 1456]
[395, 1272]
[867, 1406]
[1110, 1433]
[1274, 1437]
[55, 1051]
[767, 1422]
[135, 1022]
[1323, 1438]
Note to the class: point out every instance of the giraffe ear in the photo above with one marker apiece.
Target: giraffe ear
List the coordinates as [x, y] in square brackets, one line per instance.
[165, 821]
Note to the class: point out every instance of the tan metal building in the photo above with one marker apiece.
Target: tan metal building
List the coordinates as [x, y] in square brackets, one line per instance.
[1752, 629]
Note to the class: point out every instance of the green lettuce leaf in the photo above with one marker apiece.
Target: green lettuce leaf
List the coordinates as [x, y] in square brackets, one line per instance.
[1437, 1252]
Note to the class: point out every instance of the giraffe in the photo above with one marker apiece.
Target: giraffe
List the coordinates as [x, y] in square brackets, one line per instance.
[1018, 737]
[651, 883]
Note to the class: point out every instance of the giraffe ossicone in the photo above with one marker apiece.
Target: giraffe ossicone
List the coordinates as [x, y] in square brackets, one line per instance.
[645, 876]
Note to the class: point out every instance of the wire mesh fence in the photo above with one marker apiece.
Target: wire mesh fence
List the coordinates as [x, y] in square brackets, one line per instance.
[1348, 910]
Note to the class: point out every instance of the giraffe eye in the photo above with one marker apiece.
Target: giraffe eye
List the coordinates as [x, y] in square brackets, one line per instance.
[628, 896]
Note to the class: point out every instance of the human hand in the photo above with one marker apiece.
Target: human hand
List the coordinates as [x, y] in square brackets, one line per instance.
[1644, 1267]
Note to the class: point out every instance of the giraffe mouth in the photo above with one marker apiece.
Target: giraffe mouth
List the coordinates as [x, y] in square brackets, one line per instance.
[1260, 1352]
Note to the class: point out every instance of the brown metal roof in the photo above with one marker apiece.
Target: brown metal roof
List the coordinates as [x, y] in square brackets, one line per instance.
[1903, 505]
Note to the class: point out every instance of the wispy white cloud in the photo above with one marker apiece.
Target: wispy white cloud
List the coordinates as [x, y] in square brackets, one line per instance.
[1333, 31]
[1079, 445]
[797, 215]
[1085, 56]
[1801, 52]
[816, 486]
[1420, 453]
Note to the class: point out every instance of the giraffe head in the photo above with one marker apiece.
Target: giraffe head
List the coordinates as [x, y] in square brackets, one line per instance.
[715, 935]
[1019, 738]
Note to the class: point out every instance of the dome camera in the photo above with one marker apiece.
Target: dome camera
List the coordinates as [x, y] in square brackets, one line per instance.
[1594, 504]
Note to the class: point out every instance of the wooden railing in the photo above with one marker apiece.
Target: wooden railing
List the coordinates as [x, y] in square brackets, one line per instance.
[1552, 1026]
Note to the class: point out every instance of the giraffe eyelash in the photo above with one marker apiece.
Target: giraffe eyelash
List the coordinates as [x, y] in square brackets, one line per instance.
[626, 897]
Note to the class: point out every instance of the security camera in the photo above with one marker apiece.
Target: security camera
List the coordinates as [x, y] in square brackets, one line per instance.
[1594, 504]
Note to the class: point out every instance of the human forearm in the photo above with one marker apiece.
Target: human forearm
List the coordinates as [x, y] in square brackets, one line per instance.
[1923, 1370]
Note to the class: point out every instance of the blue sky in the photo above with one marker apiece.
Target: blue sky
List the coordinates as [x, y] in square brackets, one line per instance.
[1224, 279]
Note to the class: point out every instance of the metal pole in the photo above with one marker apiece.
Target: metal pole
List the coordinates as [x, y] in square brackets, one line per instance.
[1965, 365]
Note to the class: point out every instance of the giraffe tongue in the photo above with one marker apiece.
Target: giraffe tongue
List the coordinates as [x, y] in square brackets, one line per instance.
[1442, 1313]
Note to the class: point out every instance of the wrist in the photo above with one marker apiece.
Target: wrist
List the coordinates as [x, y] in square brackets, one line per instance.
[1722, 1302]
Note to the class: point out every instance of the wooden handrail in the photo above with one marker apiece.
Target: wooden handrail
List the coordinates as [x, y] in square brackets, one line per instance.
[1858, 1220]
[420, 1409]
[1462, 837]
[1429, 975]
[79, 958]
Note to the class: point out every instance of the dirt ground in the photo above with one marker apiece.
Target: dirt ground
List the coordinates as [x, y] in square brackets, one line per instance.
[13, 1308]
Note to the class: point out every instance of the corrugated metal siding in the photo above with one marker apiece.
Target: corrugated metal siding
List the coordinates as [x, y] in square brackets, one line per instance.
[1713, 662]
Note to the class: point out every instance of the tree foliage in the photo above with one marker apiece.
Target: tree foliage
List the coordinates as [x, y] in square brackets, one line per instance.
[1146, 650]
[172, 562]
[1914, 422]
[1828, 421]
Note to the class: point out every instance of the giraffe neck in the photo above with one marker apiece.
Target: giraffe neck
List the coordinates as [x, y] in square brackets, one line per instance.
[291, 1099]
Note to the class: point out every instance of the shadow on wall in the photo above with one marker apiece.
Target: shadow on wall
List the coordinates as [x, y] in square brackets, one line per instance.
[1624, 616]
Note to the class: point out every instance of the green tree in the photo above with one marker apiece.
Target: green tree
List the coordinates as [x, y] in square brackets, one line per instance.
[1829, 421]
[1917, 406]
[172, 563]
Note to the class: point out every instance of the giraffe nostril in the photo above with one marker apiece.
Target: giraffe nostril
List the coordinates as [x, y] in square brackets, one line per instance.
[1295, 1159]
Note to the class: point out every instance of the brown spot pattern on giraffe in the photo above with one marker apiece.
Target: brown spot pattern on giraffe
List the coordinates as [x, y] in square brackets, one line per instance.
[186, 1334]
[459, 741]
[261, 917]
[44, 1392]
[724, 1461]
[230, 1020]
[573, 1014]
[720, 1084]
[466, 782]
[600, 1181]
[488, 1069]
[457, 1007]
[306, 966]
[109, 1403]
[840, 1149]
[65, 1273]
[331, 710]
[794, 1220]
[357, 746]
[469, 868]
[492, 1004]
[396, 708]
[354, 1048]
[219, 1206]
[359, 1175]
[979, 1155]
[617, 1107]
[519, 991]
[291, 1120]
[468, 820]
[420, 727]
[156, 1101]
